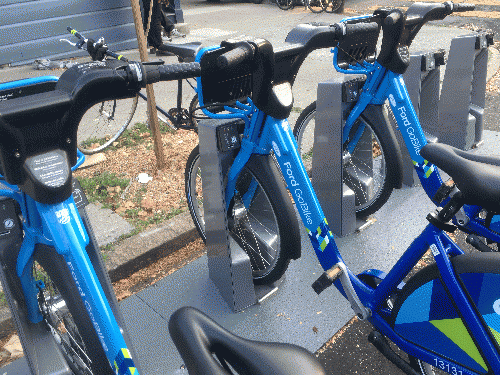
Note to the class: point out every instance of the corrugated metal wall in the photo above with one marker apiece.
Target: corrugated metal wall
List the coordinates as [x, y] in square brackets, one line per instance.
[32, 29]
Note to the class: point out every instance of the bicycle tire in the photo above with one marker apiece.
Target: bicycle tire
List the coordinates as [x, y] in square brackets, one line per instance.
[420, 366]
[284, 4]
[192, 107]
[74, 327]
[332, 6]
[387, 166]
[316, 6]
[266, 235]
[112, 116]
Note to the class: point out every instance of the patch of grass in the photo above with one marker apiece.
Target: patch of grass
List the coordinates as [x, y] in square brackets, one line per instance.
[164, 128]
[157, 218]
[140, 225]
[134, 136]
[307, 155]
[139, 195]
[96, 187]
[131, 136]
[297, 109]
[91, 141]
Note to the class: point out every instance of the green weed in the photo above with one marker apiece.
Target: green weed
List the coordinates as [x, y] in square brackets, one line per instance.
[96, 187]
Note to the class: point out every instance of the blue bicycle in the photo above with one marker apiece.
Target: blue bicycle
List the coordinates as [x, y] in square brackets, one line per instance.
[373, 179]
[447, 315]
[52, 272]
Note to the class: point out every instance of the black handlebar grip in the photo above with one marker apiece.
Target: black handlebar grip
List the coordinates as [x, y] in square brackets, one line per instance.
[360, 28]
[236, 56]
[75, 33]
[171, 72]
[463, 7]
[392, 18]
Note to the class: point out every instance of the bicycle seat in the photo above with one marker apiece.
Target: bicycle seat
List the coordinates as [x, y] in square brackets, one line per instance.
[198, 338]
[476, 176]
[186, 52]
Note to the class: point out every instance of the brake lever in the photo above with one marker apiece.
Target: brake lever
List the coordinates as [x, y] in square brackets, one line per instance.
[78, 45]
[66, 40]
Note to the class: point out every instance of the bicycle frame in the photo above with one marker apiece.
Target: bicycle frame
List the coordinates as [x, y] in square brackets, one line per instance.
[382, 84]
[263, 133]
[60, 226]
[174, 120]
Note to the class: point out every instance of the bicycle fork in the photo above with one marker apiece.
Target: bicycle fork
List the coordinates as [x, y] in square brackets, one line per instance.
[64, 230]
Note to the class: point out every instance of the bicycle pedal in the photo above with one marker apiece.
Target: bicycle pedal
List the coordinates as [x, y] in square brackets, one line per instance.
[478, 244]
[326, 279]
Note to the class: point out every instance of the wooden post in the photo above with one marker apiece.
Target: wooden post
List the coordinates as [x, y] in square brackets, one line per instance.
[152, 114]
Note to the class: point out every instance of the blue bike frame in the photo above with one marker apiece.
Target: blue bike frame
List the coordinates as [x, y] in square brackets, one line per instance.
[263, 133]
[60, 226]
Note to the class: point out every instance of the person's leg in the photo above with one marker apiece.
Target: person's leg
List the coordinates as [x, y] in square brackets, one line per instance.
[155, 27]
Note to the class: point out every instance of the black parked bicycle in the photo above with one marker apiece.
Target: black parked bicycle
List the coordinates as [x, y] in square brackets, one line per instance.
[105, 122]
[315, 6]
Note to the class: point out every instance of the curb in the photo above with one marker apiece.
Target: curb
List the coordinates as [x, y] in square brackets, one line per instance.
[140, 250]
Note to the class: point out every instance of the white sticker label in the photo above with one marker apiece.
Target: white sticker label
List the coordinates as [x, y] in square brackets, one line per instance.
[392, 100]
[63, 216]
[276, 149]
[435, 250]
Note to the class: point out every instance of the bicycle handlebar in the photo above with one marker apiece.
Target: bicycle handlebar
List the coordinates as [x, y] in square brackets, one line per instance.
[84, 40]
[399, 29]
[54, 115]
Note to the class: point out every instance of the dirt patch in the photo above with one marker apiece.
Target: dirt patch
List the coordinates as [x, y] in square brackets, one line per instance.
[158, 270]
[143, 199]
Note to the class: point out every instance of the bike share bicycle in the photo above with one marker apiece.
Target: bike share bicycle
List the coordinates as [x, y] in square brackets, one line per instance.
[114, 116]
[385, 171]
[53, 274]
[446, 315]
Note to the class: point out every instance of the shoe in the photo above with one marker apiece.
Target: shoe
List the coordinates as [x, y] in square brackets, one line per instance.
[177, 33]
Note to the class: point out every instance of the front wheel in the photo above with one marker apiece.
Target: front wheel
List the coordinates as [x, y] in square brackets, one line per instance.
[316, 6]
[103, 123]
[370, 178]
[284, 4]
[65, 315]
[333, 6]
[261, 218]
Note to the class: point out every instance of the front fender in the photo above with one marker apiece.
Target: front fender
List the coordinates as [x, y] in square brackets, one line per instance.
[378, 117]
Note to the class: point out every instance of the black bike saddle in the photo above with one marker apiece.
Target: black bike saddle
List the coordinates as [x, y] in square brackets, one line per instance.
[476, 176]
[200, 340]
[185, 52]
